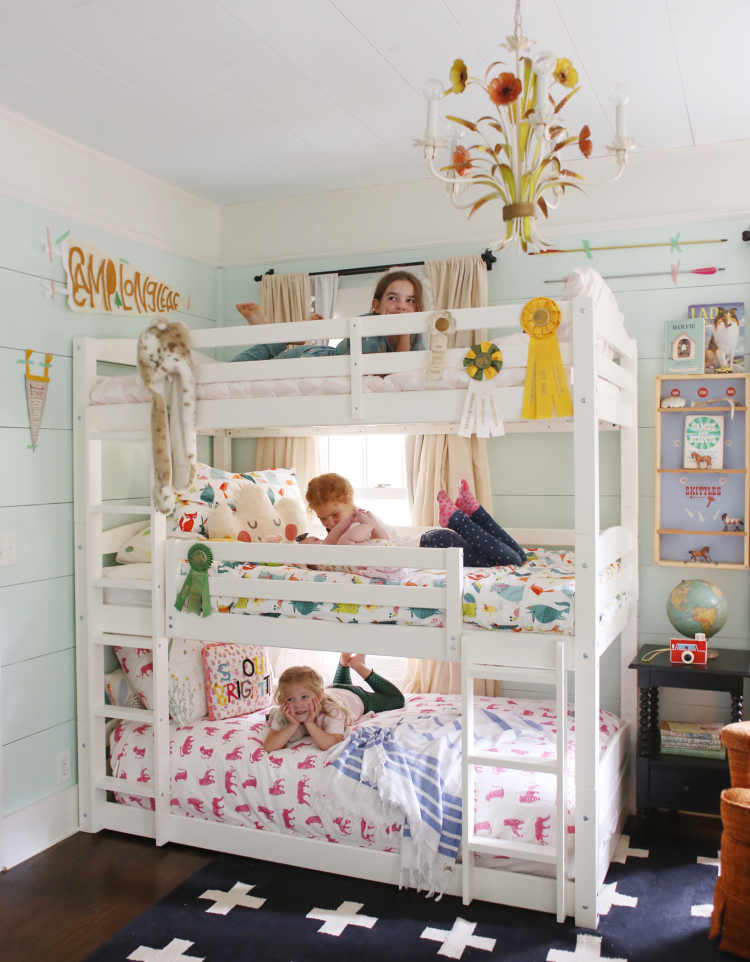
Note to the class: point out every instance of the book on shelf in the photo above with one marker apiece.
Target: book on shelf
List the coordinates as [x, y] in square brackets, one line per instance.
[693, 752]
[724, 335]
[684, 350]
[677, 728]
[703, 443]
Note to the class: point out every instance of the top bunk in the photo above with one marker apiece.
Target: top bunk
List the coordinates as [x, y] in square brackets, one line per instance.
[419, 391]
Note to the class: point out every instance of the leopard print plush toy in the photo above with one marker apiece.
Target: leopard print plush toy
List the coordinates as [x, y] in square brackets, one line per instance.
[166, 367]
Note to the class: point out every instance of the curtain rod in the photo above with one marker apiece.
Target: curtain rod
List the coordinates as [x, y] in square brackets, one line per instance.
[487, 256]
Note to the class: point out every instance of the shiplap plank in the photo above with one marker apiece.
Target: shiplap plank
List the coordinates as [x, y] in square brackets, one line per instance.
[44, 542]
[31, 766]
[37, 694]
[36, 477]
[31, 628]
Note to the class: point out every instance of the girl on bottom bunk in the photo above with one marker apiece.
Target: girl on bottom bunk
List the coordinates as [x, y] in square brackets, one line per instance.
[398, 292]
[466, 524]
[307, 708]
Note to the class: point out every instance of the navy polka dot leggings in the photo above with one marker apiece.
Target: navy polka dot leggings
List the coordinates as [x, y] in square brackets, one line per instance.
[484, 542]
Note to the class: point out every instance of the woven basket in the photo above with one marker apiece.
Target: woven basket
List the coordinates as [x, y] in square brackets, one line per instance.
[731, 914]
[736, 740]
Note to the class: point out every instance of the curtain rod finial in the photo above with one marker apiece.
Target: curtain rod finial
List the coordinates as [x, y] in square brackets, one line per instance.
[489, 258]
[259, 277]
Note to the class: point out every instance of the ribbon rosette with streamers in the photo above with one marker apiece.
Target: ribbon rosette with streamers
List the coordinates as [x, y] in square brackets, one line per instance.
[546, 392]
[194, 594]
[480, 414]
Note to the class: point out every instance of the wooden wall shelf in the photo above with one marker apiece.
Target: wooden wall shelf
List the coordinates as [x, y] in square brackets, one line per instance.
[699, 496]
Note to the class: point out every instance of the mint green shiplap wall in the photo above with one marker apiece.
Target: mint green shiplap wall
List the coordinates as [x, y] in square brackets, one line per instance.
[532, 478]
[37, 645]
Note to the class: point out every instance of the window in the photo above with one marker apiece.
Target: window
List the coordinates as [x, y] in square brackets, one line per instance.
[376, 467]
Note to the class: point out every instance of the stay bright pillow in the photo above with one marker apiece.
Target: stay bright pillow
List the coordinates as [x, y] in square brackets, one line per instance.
[238, 679]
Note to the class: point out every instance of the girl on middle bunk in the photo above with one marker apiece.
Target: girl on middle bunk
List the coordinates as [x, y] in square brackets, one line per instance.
[466, 524]
[305, 707]
[398, 292]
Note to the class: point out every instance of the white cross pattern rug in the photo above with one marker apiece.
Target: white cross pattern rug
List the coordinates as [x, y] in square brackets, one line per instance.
[655, 904]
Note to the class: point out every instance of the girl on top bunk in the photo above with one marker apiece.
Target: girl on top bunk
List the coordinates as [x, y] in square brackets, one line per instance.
[305, 707]
[466, 524]
[398, 292]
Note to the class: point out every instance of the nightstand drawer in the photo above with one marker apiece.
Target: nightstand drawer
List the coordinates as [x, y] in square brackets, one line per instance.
[688, 789]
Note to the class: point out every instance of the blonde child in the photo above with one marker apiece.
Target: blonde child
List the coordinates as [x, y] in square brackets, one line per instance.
[305, 707]
[332, 498]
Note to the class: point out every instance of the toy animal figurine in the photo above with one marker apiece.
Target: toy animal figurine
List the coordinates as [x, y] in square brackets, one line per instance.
[166, 367]
[672, 401]
[701, 460]
[700, 554]
[732, 524]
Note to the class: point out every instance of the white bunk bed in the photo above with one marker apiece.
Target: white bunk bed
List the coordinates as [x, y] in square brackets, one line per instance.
[602, 359]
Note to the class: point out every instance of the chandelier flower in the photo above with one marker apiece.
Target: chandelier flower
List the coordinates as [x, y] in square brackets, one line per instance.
[461, 161]
[504, 89]
[458, 77]
[565, 73]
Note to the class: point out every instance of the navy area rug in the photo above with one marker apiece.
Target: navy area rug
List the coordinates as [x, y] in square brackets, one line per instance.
[657, 896]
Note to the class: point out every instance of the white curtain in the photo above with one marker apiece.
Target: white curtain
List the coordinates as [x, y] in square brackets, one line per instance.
[435, 461]
[286, 297]
[324, 290]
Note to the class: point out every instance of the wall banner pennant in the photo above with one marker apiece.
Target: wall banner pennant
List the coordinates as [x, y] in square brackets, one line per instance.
[101, 284]
[36, 394]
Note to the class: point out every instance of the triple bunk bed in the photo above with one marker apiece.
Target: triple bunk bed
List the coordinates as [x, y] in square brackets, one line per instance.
[590, 781]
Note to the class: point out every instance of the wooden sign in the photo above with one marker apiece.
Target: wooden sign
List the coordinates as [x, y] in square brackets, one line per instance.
[100, 284]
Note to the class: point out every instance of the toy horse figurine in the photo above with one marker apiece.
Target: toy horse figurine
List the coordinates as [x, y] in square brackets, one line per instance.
[166, 367]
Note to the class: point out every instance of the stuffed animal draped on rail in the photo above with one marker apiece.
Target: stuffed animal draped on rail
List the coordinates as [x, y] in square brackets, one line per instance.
[165, 365]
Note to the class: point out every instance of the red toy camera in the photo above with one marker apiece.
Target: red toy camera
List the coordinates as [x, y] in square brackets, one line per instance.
[693, 652]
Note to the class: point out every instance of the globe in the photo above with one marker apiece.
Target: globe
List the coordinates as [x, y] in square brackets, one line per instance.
[697, 606]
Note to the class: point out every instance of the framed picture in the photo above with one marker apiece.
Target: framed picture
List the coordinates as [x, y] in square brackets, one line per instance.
[703, 444]
[683, 353]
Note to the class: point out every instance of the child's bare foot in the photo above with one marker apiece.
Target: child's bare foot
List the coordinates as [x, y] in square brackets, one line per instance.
[358, 663]
[252, 313]
[346, 659]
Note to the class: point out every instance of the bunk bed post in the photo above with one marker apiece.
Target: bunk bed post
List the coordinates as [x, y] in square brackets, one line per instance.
[586, 483]
[355, 369]
[629, 520]
[161, 677]
[87, 482]
[222, 453]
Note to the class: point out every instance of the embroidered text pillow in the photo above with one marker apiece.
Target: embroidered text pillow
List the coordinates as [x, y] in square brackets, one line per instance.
[238, 679]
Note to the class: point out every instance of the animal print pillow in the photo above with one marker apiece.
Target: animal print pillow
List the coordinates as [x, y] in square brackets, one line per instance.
[187, 700]
[138, 665]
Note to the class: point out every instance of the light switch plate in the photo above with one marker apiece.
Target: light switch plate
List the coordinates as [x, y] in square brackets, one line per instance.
[7, 548]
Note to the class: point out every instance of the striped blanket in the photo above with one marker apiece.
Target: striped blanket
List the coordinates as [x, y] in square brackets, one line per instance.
[412, 772]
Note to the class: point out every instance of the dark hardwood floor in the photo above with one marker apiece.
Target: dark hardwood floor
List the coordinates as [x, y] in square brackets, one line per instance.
[60, 905]
[63, 903]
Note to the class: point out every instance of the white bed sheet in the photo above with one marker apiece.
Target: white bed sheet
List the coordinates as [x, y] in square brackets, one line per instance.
[220, 772]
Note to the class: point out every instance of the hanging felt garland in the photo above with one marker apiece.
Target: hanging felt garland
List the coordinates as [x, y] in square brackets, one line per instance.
[194, 594]
[546, 392]
[481, 415]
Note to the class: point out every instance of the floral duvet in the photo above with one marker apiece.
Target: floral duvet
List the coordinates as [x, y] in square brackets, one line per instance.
[537, 596]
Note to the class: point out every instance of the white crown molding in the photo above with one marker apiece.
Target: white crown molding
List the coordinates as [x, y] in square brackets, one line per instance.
[37, 827]
[53, 171]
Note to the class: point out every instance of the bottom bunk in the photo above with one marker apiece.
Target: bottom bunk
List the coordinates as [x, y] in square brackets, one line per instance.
[307, 807]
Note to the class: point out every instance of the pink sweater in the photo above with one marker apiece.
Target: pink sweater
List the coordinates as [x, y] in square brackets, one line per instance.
[359, 528]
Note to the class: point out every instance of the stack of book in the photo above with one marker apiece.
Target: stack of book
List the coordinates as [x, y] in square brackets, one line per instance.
[692, 738]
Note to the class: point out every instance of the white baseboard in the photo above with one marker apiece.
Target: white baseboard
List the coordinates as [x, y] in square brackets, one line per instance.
[36, 828]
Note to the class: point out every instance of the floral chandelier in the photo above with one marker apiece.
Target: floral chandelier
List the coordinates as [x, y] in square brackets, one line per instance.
[515, 157]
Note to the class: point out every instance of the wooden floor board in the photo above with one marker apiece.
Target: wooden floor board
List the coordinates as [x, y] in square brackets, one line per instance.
[63, 903]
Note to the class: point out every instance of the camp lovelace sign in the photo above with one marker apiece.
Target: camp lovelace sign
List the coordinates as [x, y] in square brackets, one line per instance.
[101, 284]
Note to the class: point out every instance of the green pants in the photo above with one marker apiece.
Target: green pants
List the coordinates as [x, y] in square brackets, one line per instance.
[383, 697]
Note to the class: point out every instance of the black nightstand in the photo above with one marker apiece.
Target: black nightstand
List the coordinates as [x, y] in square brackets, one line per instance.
[681, 782]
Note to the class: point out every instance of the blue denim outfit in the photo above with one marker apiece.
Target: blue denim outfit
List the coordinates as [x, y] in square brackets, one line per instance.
[485, 543]
[375, 344]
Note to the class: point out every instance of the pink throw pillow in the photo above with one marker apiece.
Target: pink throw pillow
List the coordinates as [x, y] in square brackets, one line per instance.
[238, 679]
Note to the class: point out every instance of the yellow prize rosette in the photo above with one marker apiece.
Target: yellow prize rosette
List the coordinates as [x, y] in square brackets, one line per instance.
[546, 392]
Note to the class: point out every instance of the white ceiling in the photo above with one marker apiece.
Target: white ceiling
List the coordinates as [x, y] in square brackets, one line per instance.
[236, 100]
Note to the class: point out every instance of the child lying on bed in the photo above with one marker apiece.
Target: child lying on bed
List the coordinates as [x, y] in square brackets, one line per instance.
[307, 708]
[398, 292]
[466, 524]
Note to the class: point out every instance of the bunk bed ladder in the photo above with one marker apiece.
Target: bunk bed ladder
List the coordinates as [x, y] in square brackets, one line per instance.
[472, 668]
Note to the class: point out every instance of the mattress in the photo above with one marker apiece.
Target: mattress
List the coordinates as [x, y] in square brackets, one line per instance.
[537, 596]
[220, 772]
